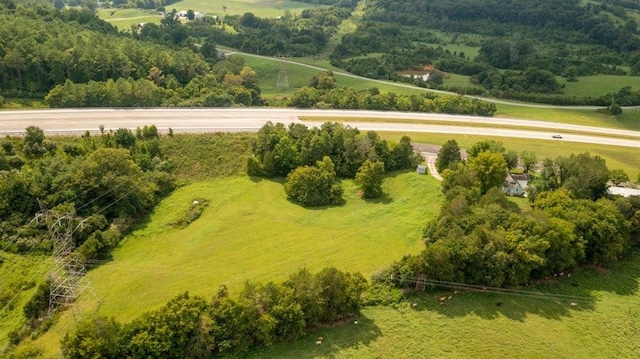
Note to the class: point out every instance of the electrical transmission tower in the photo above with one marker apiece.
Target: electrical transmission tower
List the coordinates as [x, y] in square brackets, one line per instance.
[67, 277]
[283, 79]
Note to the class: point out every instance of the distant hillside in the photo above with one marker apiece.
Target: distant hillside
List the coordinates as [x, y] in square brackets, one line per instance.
[562, 38]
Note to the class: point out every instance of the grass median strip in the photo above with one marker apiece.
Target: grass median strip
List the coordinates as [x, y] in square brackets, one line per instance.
[462, 124]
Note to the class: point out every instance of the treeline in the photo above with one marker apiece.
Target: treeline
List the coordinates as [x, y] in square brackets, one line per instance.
[480, 237]
[229, 83]
[140, 4]
[322, 93]
[279, 150]
[464, 16]
[193, 327]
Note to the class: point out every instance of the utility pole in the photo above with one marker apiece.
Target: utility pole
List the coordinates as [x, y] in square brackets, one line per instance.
[67, 276]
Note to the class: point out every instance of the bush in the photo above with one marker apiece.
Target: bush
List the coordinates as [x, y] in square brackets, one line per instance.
[313, 187]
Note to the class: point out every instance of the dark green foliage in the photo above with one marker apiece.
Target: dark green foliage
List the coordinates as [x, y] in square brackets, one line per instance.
[278, 150]
[123, 137]
[94, 338]
[190, 327]
[487, 240]
[194, 211]
[490, 169]
[38, 304]
[585, 176]
[347, 98]
[370, 177]
[448, 156]
[323, 81]
[165, 333]
[618, 176]
[313, 186]
[528, 160]
[33, 142]
[600, 224]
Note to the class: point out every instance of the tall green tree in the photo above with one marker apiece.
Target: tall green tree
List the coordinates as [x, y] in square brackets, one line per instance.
[491, 169]
[370, 177]
[528, 160]
[448, 155]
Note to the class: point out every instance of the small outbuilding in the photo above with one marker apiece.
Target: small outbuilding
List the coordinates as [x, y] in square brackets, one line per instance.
[421, 170]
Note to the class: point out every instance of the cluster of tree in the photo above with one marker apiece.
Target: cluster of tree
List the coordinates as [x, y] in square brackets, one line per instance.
[312, 158]
[53, 49]
[583, 175]
[222, 87]
[529, 80]
[110, 181]
[140, 4]
[480, 237]
[192, 327]
[322, 93]
[279, 150]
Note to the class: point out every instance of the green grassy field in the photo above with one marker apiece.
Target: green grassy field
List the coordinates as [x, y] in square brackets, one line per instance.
[599, 85]
[261, 8]
[299, 76]
[123, 19]
[20, 275]
[628, 120]
[604, 324]
[251, 232]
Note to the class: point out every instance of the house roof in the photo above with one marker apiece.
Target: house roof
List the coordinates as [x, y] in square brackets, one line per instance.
[623, 191]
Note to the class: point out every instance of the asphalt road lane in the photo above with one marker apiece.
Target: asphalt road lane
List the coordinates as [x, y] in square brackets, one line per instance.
[77, 121]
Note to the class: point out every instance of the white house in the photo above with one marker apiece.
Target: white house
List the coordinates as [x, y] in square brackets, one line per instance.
[513, 186]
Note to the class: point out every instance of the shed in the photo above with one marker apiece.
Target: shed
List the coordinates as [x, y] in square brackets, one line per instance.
[421, 170]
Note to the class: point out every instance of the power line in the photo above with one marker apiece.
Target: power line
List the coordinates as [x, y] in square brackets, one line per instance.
[489, 289]
[15, 237]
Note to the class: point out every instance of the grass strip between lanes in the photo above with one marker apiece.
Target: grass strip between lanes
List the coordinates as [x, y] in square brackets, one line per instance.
[462, 124]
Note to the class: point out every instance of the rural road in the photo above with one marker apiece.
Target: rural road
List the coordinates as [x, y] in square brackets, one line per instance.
[77, 121]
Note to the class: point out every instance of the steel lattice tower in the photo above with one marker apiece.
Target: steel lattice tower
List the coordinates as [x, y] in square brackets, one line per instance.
[67, 276]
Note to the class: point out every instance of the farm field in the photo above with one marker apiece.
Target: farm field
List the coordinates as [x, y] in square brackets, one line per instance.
[260, 8]
[599, 85]
[603, 324]
[251, 232]
[123, 19]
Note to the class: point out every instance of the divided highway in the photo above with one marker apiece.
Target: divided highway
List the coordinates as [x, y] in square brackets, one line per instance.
[77, 121]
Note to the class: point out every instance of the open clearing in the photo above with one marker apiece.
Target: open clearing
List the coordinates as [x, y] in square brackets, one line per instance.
[250, 231]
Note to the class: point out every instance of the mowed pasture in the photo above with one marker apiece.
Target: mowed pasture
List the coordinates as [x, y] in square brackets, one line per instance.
[604, 323]
[599, 85]
[250, 231]
[260, 8]
[124, 18]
